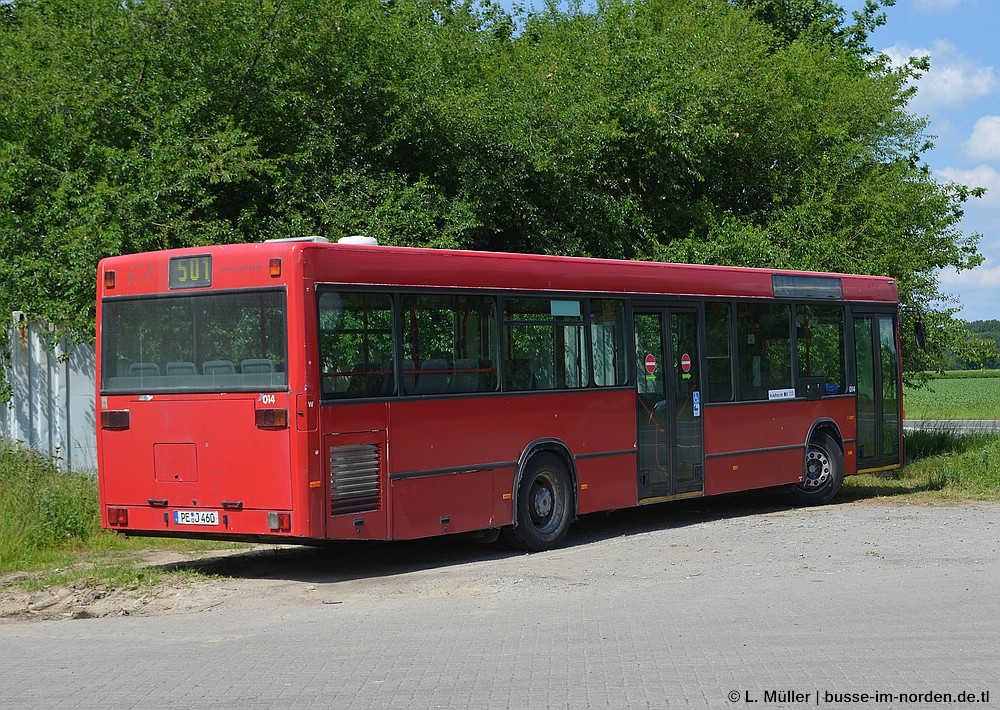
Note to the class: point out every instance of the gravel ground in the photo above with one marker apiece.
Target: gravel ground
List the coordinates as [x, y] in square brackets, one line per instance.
[740, 537]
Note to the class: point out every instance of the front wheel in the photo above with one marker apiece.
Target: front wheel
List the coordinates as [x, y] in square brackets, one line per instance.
[823, 475]
[543, 506]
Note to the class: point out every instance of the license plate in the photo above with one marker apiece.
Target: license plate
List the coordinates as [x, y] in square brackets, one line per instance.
[196, 517]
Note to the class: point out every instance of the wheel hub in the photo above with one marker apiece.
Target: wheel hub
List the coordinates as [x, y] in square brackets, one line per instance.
[817, 470]
[543, 502]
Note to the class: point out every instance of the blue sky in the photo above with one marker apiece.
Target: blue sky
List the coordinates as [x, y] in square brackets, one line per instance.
[961, 98]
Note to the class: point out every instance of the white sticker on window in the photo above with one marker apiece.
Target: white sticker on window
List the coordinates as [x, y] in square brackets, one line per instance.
[565, 308]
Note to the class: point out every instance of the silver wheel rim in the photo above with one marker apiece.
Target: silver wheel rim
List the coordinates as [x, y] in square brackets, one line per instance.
[818, 470]
[545, 502]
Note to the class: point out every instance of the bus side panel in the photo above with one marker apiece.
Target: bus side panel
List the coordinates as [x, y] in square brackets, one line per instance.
[491, 433]
[745, 471]
[770, 453]
[608, 482]
[447, 503]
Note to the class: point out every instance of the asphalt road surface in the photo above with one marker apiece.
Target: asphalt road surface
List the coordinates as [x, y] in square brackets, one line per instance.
[715, 604]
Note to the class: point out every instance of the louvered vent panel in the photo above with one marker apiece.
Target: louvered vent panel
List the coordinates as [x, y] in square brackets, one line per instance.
[354, 479]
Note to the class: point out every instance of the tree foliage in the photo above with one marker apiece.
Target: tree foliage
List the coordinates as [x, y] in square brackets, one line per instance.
[749, 132]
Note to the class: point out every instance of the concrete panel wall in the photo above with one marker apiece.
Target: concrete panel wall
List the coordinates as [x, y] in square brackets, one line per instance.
[52, 409]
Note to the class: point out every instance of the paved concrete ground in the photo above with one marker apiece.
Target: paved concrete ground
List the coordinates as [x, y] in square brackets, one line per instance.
[690, 605]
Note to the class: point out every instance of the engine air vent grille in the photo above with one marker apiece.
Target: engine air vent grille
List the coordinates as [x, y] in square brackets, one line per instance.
[354, 478]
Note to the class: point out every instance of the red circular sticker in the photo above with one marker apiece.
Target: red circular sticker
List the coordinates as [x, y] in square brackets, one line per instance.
[686, 362]
[650, 364]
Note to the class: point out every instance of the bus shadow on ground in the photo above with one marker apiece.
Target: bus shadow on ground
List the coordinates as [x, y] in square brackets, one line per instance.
[339, 561]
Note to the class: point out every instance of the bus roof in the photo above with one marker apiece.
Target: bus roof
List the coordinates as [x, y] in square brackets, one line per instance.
[391, 266]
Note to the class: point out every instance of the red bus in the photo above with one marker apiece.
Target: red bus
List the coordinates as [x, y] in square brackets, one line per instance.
[299, 391]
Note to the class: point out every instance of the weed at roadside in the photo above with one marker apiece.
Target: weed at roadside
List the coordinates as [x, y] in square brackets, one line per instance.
[942, 466]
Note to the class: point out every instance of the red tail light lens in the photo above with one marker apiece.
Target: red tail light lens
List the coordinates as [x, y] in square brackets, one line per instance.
[280, 522]
[117, 517]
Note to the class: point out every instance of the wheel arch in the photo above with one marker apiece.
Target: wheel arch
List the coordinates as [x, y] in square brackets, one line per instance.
[824, 426]
[558, 448]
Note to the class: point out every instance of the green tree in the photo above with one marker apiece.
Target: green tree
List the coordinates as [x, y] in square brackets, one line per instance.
[749, 132]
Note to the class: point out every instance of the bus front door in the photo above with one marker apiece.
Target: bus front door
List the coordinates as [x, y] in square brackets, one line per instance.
[668, 403]
[879, 410]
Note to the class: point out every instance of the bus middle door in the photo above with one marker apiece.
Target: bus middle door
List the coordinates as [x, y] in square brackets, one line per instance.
[668, 403]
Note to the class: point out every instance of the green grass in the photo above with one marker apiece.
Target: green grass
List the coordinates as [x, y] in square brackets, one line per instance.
[43, 512]
[940, 467]
[954, 398]
[50, 526]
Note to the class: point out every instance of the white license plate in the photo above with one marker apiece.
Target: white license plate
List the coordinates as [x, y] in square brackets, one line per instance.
[196, 517]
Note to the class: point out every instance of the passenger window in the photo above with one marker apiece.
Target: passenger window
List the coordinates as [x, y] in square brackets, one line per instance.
[356, 350]
[607, 334]
[765, 352]
[718, 334]
[546, 344]
[449, 344]
[822, 349]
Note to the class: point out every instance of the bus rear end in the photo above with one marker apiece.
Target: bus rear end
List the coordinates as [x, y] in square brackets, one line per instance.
[196, 414]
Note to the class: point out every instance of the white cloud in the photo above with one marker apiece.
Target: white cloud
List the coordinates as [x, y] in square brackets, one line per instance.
[986, 275]
[984, 143]
[953, 79]
[976, 290]
[979, 176]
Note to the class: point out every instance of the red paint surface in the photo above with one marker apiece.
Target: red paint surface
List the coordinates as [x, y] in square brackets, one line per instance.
[196, 451]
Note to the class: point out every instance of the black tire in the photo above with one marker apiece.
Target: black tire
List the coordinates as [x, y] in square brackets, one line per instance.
[543, 506]
[823, 475]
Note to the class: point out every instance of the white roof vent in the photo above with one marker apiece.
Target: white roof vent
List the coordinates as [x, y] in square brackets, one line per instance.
[359, 240]
[318, 240]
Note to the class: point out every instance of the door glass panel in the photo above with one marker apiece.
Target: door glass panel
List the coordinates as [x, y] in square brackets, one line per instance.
[651, 404]
[687, 398]
[890, 392]
[864, 343]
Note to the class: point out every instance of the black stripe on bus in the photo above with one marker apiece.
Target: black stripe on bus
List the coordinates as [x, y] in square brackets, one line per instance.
[475, 468]
[745, 452]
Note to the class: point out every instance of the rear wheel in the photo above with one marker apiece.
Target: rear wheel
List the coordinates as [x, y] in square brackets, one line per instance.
[823, 475]
[543, 506]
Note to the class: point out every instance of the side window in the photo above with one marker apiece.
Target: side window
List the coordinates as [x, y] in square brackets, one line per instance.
[719, 351]
[607, 333]
[355, 344]
[546, 344]
[821, 346]
[765, 351]
[449, 344]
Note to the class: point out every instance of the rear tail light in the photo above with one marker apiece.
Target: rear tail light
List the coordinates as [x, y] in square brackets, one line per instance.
[117, 517]
[279, 522]
[271, 418]
[115, 419]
